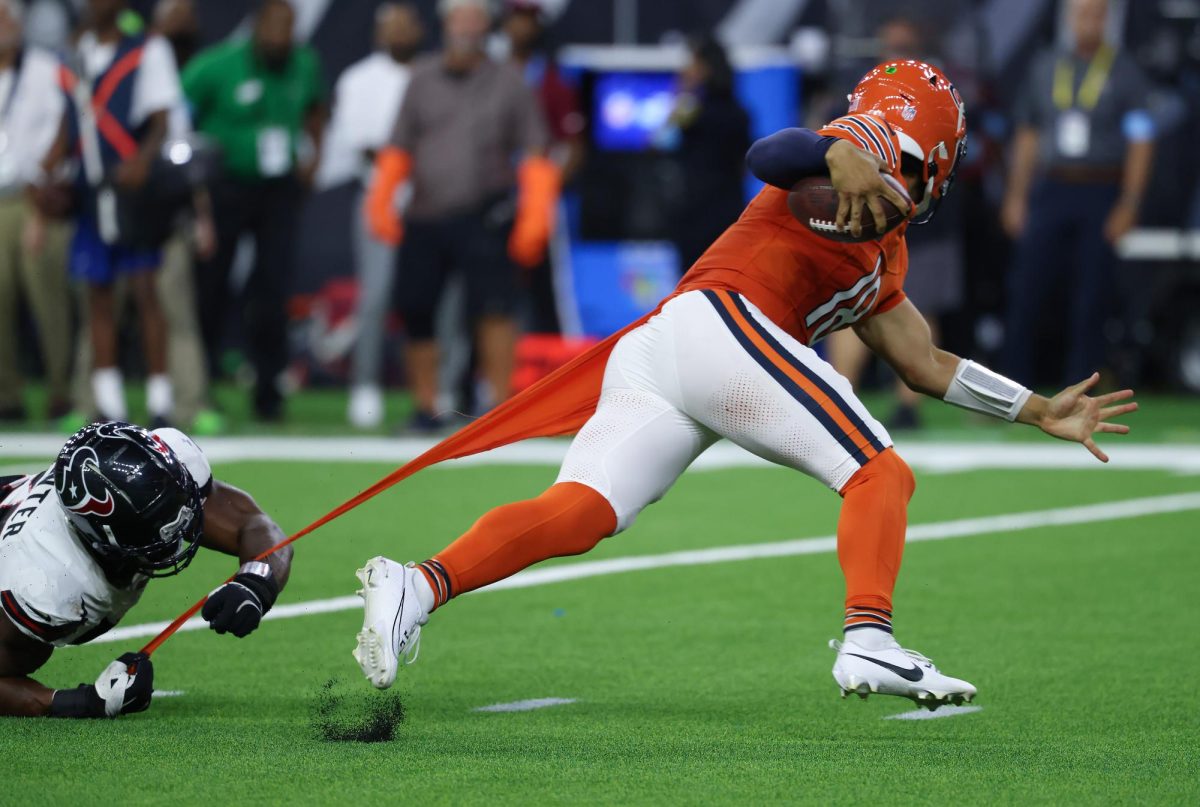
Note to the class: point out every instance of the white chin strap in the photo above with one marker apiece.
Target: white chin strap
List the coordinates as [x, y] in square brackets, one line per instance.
[909, 146]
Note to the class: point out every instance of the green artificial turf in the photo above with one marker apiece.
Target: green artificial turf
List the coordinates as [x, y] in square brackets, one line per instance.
[1162, 418]
[696, 685]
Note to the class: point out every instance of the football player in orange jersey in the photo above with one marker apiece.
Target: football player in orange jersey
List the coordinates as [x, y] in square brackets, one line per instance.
[728, 356]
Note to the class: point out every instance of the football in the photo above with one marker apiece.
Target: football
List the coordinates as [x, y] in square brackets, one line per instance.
[814, 203]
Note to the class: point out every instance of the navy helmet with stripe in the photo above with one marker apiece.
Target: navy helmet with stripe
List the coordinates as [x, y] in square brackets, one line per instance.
[130, 498]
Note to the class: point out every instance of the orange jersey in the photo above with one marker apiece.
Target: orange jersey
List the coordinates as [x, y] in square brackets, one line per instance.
[807, 284]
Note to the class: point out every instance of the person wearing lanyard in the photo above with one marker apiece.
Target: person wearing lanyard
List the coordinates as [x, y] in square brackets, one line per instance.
[262, 102]
[1081, 160]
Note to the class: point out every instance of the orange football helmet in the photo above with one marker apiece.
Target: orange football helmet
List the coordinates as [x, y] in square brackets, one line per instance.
[927, 113]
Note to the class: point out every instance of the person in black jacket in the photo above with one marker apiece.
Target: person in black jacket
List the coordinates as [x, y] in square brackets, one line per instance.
[714, 134]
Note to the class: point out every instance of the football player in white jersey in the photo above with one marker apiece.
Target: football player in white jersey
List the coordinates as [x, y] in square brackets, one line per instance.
[80, 540]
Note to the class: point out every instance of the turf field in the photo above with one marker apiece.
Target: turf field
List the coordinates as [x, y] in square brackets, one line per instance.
[693, 683]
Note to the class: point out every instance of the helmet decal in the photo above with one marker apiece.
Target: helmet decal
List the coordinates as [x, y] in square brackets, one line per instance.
[929, 118]
[72, 483]
[160, 445]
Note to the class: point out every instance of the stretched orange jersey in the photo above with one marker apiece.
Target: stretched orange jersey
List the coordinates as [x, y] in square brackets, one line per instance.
[806, 284]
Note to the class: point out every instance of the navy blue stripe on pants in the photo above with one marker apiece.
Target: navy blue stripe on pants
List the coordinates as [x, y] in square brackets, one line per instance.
[791, 387]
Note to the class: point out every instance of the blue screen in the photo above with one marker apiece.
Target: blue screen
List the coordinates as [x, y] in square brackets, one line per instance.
[630, 108]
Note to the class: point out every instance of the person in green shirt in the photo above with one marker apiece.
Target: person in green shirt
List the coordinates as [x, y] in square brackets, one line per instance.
[262, 102]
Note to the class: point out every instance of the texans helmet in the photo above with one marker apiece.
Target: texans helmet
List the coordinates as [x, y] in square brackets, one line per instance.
[130, 498]
[928, 116]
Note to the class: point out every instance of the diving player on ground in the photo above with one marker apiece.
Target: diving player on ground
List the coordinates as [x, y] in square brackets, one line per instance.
[80, 540]
[728, 356]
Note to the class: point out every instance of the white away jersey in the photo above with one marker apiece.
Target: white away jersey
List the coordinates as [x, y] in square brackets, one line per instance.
[51, 587]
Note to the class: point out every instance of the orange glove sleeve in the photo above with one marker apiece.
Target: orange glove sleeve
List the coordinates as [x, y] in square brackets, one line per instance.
[538, 183]
[392, 168]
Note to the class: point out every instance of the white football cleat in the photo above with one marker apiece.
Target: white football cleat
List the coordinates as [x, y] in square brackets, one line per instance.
[392, 620]
[892, 670]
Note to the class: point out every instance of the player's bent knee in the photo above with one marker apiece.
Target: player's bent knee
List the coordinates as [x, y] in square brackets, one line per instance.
[907, 480]
[886, 467]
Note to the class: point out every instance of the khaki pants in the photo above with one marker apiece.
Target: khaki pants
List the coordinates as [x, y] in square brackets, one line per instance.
[42, 279]
[185, 352]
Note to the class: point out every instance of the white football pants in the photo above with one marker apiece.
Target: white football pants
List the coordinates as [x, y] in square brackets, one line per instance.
[711, 365]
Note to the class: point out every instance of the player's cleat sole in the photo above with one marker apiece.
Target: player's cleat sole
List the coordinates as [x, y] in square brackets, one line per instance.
[895, 671]
[392, 620]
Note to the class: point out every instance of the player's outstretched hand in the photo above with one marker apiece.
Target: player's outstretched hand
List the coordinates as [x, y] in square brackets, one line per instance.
[1074, 415]
[855, 175]
[124, 687]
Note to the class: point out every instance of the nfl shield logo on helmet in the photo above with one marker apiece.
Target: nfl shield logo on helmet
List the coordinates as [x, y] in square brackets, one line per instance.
[909, 112]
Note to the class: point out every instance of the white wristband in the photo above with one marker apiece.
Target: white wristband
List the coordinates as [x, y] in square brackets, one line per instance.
[977, 388]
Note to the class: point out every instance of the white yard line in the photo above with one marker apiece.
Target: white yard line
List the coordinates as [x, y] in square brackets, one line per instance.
[524, 706]
[940, 712]
[939, 456]
[937, 531]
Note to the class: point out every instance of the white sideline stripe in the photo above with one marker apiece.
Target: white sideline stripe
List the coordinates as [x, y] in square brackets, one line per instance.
[524, 706]
[941, 711]
[936, 456]
[937, 531]
[167, 693]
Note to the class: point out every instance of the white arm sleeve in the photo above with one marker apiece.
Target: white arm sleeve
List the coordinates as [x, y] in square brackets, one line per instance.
[977, 388]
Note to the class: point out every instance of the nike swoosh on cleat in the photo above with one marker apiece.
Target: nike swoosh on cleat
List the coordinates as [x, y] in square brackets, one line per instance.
[907, 673]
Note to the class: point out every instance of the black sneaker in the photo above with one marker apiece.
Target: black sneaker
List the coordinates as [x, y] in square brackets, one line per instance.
[425, 423]
[268, 408]
[904, 418]
[12, 414]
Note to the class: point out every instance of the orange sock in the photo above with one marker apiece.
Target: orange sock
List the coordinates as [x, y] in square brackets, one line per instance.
[568, 519]
[871, 538]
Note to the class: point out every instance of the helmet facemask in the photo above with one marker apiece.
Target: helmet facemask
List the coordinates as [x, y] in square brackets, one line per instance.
[930, 201]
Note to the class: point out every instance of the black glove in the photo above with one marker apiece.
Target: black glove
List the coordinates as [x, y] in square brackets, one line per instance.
[238, 606]
[124, 687]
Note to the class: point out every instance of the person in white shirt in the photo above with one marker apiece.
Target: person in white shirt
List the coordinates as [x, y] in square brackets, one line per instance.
[367, 101]
[32, 256]
[133, 85]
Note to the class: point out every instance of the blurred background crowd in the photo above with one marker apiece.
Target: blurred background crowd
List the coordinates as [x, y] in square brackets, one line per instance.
[453, 197]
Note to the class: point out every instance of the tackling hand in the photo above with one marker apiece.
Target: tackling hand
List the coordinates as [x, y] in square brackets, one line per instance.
[1073, 415]
[124, 687]
[855, 175]
[238, 606]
